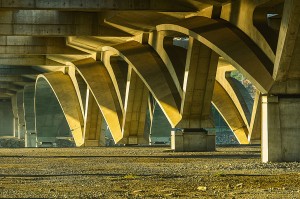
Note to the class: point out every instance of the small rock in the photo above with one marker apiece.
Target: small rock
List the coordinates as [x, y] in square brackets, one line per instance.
[228, 186]
[202, 188]
[137, 191]
[240, 185]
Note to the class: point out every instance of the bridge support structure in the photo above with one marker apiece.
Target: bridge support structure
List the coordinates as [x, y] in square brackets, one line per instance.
[280, 129]
[28, 105]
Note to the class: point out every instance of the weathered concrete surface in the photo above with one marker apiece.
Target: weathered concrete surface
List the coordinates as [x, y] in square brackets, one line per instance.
[259, 38]
[280, 129]
[192, 140]
[65, 104]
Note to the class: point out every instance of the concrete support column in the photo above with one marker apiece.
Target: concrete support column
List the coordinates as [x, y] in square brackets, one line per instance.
[198, 86]
[94, 123]
[7, 118]
[21, 118]
[15, 113]
[136, 102]
[280, 128]
[16, 129]
[30, 132]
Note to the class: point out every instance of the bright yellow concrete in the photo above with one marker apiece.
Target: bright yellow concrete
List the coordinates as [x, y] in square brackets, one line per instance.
[63, 88]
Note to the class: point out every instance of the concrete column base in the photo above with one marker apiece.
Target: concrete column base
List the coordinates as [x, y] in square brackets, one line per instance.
[280, 129]
[30, 139]
[46, 142]
[192, 140]
[91, 143]
[134, 140]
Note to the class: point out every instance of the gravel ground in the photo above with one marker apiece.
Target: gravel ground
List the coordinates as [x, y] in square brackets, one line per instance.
[144, 172]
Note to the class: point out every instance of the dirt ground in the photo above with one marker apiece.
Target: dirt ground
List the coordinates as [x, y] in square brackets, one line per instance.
[144, 172]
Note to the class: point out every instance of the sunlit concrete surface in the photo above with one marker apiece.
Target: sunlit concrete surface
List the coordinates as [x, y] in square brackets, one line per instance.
[98, 71]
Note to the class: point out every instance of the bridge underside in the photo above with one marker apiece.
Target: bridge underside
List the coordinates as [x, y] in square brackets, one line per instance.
[81, 69]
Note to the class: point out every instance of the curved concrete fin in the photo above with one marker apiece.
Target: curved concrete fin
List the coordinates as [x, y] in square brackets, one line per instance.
[120, 69]
[243, 96]
[226, 107]
[230, 43]
[153, 72]
[98, 80]
[63, 88]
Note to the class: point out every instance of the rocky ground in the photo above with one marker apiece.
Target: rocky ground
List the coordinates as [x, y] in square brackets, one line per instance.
[144, 172]
[11, 142]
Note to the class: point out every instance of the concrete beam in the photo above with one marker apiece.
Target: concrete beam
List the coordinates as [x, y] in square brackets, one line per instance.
[10, 86]
[287, 56]
[7, 91]
[35, 45]
[4, 96]
[54, 23]
[22, 60]
[99, 5]
[15, 70]
[15, 79]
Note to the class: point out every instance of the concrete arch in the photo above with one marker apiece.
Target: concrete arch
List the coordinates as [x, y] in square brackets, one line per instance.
[268, 26]
[155, 75]
[101, 86]
[230, 43]
[236, 93]
[55, 90]
[227, 108]
[227, 83]
[247, 110]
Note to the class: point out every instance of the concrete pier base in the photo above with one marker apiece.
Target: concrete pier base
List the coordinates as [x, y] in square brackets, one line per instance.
[188, 140]
[46, 142]
[30, 139]
[280, 129]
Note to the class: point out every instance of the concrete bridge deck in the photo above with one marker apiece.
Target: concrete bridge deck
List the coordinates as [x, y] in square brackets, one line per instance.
[85, 68]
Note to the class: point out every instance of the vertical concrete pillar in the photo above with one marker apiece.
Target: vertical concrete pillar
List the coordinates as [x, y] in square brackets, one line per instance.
[136, 102]
[94, 124]
[7, 118]
[280, 129]
[30, 132]
[198, 85]
[21, 118]
[15, 115]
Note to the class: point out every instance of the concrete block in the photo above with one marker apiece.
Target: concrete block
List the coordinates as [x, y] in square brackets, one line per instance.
[46, 142]
[30, 139]
[91, 143]
[188, 140]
